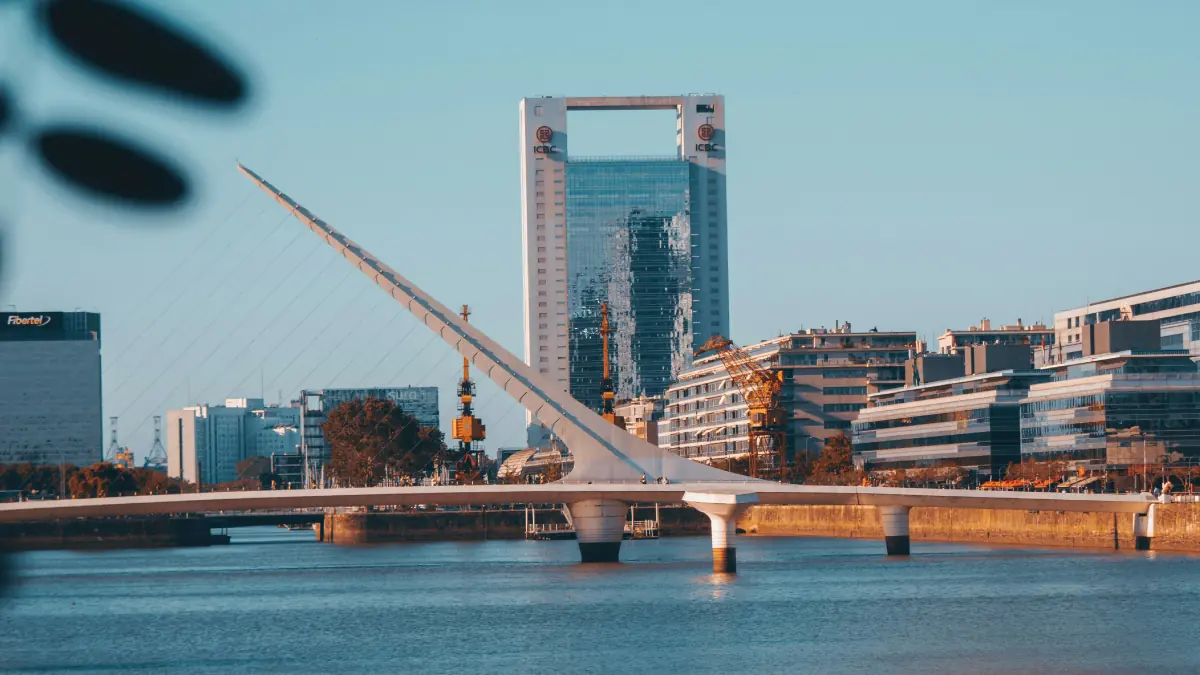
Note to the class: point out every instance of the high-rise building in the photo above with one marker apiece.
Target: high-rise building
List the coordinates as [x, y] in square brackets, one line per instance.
[50, 396]
[315, 406]
[647, 235]
[205, 442]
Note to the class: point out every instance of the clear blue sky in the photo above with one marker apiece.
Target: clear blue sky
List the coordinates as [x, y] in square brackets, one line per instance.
[910, 165]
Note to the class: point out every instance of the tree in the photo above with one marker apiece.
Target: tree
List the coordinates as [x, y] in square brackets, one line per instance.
[252, 467]
[151, 482]
[370, 438]
[835, 465]
[103, 480]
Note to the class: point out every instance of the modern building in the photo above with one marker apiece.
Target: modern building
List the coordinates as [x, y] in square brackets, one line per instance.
[50, 394]
[827, 377]
[1125, 402]
[954, 341]
[205, 442]
[1123, 408]
[1170, 305]
[1184, 334]
[641, 416]
[971, 421]
[315, 406]
[646, 235]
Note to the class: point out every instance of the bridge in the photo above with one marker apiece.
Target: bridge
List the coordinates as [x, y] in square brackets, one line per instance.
[610, 464]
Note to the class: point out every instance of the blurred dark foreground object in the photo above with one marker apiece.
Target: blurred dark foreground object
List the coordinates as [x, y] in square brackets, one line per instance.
[130, 46]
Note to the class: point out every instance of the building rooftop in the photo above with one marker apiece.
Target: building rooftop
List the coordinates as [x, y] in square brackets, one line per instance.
[1134, 295]
[996, 375]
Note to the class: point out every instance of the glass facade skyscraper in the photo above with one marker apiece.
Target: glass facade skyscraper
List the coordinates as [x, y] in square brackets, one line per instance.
[629, 245]
[645, 235]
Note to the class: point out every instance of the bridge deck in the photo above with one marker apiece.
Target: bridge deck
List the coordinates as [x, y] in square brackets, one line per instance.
[558, 493]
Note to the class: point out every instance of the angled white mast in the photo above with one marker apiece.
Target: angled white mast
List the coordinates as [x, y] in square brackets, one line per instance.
[603, 452]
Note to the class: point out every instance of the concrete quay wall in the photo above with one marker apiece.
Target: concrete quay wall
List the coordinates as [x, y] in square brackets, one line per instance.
[374, 527]
[1177, 526]
[106, 533]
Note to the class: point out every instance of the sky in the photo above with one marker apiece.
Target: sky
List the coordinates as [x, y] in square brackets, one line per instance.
[906, 166]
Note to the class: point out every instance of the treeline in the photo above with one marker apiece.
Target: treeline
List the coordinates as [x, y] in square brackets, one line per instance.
[98, 480]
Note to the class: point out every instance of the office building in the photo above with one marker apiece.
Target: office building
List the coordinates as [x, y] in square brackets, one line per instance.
[1181, 335]
[1124, 402]
[954, 341]
[827, 377]
[206, 442]
[646, 235]
[641, 416]
[50, 395]
[1115, 409]
[1166, 306]
[971, 421]
[315, 406]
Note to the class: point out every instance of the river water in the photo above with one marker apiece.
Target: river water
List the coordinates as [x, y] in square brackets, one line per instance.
[278, 602]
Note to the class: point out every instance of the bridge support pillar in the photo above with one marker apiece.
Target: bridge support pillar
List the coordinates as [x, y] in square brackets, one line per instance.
[599, 527]
[895, 528]
[723, 511]
[1143, 529]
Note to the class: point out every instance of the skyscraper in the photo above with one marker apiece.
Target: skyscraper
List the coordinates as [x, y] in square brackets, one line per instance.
[647, 235]
[50, 397]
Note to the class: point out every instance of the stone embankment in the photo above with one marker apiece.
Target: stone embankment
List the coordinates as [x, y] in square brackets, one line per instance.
[1177, 526]
[369, 527]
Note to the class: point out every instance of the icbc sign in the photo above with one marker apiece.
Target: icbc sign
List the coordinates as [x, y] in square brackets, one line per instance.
[543, 135]
[706, 132]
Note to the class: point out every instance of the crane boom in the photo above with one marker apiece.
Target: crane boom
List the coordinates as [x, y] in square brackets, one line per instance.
[760, 387]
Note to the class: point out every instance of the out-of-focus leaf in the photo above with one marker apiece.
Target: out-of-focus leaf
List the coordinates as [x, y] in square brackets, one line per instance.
[97, 162]
[132, 44]
[5, 108]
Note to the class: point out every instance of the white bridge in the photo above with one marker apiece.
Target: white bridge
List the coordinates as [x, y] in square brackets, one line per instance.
[610, 463]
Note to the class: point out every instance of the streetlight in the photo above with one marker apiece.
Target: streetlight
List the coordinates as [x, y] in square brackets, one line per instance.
[807, 459]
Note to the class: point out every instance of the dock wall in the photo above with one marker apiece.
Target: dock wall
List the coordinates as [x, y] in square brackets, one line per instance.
[1177, 526]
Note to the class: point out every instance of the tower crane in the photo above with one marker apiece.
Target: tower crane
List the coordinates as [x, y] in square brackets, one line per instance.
[607, 392]
[467, 428]
[760, 388]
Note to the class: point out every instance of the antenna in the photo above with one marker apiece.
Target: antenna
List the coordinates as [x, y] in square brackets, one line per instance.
[113, 448]
[157, 458]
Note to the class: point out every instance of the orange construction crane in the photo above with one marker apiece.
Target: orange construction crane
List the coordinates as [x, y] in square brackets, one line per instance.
[467, 428]
[760, 387]
[606, 384]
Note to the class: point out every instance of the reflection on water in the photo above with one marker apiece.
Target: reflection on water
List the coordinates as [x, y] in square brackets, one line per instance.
[278, 602]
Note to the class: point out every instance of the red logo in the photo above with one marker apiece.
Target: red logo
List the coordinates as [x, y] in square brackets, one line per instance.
[544, 134]
[705, 132]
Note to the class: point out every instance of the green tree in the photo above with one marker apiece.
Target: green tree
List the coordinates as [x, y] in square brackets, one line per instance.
[370, 438]
[835, 465]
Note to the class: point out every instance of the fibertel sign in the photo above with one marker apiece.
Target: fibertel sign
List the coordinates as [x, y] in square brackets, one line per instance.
[41, 320]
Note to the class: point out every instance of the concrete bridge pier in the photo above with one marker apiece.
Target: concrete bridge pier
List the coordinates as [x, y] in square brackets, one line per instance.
[599, 527]
[722, 510]
[1143, 529]
[895, 528]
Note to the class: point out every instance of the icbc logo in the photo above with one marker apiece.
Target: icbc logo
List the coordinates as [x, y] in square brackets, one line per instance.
[705, 132]
[544, 134]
